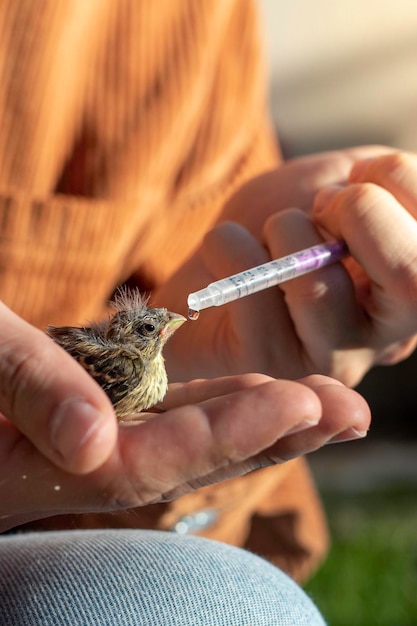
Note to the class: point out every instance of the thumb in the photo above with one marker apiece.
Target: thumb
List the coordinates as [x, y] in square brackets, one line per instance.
[51, 400]
[229, 248]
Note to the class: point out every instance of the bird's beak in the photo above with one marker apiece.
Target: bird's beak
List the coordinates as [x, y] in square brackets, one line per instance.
[175, 321]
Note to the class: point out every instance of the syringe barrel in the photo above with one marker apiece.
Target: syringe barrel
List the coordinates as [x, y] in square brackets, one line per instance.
[243, 284]
[267, 275]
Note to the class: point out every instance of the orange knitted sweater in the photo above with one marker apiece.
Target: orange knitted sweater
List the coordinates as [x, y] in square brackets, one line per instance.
[124, 127]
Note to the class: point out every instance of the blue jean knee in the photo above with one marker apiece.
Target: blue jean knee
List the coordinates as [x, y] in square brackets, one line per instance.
[150, 578]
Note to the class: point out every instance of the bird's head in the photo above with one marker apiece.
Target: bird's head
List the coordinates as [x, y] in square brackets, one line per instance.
[146, 329]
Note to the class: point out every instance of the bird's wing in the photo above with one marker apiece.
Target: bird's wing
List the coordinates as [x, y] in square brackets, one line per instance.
[115, 369]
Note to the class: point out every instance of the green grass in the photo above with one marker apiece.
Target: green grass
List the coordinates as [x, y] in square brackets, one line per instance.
[370, 576]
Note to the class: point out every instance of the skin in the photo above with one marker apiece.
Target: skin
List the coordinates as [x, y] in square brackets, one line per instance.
[58, 427]
[338, 321]
[61, 457]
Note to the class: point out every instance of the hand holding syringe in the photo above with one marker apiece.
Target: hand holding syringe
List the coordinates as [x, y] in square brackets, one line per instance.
[264, 276]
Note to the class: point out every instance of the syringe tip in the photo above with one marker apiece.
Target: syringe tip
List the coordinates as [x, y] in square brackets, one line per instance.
[193, 301]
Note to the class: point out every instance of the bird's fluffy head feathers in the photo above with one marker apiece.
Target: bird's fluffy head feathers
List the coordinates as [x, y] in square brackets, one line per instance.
[136, 325]
[129, 300]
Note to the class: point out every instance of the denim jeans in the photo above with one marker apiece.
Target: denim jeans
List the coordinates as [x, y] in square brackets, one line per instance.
[133, 577]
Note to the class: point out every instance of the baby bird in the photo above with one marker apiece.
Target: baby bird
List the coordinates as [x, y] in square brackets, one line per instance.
[124, 353]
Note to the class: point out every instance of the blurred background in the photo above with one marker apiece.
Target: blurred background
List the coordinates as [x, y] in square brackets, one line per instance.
[344, 74]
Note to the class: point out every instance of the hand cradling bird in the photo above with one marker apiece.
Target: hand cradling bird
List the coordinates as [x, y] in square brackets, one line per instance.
[124, 353]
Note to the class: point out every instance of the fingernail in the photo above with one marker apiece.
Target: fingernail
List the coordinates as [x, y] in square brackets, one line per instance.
[348, 435]
[302, 426]
[73, 424]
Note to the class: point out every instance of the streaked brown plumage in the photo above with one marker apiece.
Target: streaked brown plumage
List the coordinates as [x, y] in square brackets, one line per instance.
[124, 353]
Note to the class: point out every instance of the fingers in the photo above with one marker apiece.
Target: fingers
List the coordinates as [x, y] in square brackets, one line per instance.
[345, 416]
[322, 304]
[51, 399]
[253, 424]
[236, 250]
[395, 172]
[218, 433]
[380, 233]
[195, 391]
[262, 320]
[241, 336]
[376, 215]
[378, 223]
[223, 437]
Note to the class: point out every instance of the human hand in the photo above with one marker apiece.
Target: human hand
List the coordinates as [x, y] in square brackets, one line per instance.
[47, 399]
[302, 327]
[212, 430]
[376, 215]
[293, 184]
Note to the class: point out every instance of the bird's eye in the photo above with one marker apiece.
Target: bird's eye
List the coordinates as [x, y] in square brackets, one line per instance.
[148, 328]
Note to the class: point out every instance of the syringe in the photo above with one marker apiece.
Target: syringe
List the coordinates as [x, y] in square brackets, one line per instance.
[265, 276]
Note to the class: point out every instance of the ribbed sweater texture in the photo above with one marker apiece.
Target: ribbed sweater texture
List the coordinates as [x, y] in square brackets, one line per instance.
[124, 126]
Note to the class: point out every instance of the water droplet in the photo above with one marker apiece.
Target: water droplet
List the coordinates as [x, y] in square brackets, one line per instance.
[193, 315]
[24, 476]
[57, 487]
